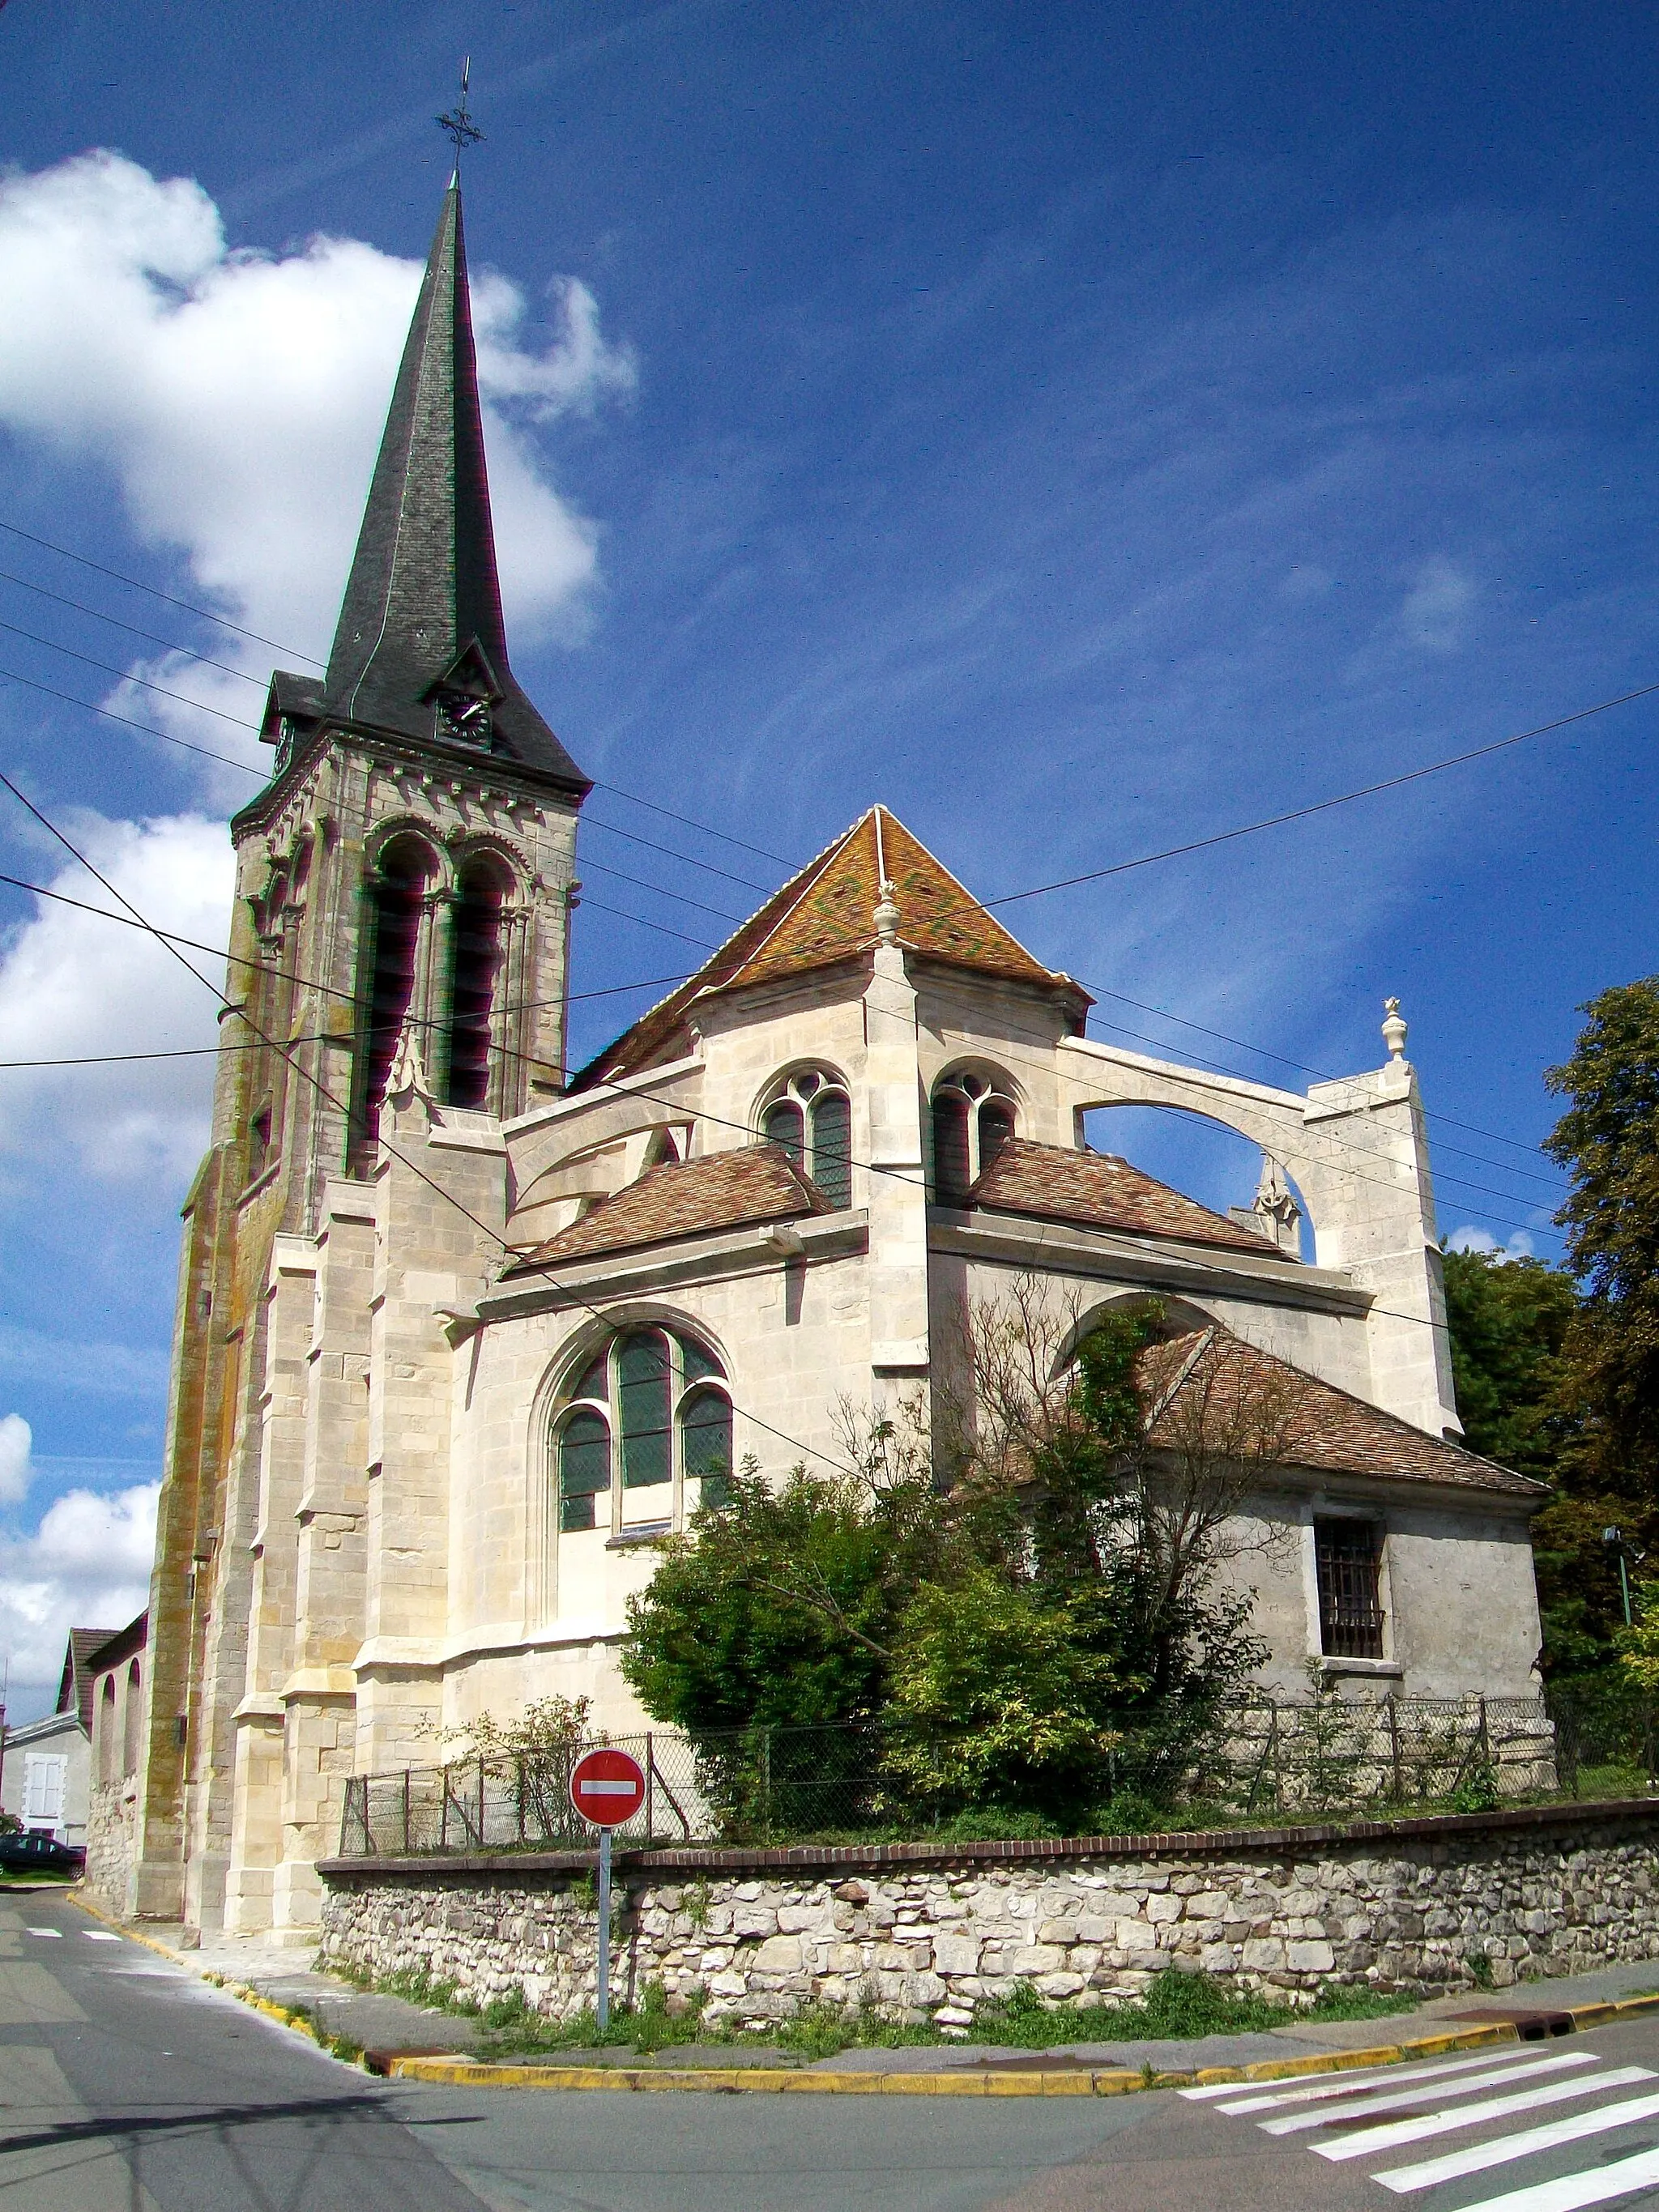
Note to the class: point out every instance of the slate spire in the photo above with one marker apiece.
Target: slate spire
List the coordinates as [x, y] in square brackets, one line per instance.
[420, 649]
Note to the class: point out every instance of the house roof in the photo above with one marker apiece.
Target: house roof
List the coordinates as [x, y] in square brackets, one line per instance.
[1325, 1430]
[74, 1683]
[823, 915]
[1054, 1183]
[724, 1190]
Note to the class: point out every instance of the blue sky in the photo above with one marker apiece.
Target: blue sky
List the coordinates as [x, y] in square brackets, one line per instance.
[1081, 428]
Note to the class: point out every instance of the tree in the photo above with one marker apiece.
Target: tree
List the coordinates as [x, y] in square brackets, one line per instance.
[1608, 1139]
[1507, 1319]
[1054, 1585]
[1594, 1430]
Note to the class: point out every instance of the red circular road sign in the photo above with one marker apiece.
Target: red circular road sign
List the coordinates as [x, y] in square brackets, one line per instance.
[607, 1787]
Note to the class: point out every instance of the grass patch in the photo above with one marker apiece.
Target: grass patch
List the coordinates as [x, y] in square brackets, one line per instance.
[1177, 2006]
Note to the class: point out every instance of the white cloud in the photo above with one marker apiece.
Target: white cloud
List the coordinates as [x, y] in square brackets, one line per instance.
[87, 1567]
[72, 984]
[237, 398]
[1470, 1239]
[16, 1442]
[1434, 613]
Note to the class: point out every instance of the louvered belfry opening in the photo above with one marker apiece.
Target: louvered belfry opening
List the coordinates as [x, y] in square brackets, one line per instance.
[396, 897]
[477, 964]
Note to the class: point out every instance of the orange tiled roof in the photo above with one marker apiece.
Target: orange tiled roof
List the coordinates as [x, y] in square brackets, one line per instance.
[823, 915]
[1326, 1429]
[1052, 1182]
[726, 1190]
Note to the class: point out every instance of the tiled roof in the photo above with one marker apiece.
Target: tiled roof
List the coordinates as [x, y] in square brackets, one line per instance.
[1052, 1182]
[1324, 1429]
[74, 1683]
[726, 1190]
[824, 915]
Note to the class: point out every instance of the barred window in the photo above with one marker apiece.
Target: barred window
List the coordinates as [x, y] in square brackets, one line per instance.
[1348, 1557]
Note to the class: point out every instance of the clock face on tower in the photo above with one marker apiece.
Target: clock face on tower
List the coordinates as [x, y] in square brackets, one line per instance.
[464, 717]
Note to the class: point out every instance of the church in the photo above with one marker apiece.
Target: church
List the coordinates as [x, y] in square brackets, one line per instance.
[463, 1334]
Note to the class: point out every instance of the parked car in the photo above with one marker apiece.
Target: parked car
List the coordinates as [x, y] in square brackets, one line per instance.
[39, 1854]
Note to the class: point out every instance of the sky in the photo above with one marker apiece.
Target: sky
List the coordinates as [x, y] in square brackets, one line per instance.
[1084, 429]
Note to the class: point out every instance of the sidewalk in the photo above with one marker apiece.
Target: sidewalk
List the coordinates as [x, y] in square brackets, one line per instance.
[387, 2024]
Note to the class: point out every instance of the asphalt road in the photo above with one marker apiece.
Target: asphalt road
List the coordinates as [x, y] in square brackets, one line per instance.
[127, 2085]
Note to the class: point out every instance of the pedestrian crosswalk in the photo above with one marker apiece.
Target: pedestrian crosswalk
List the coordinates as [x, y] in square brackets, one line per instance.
[1370, 2114]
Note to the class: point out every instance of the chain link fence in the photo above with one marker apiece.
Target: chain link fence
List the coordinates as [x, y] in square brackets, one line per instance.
[1257, 1759]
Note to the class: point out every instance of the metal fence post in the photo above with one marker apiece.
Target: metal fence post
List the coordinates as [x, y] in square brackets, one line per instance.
[481, 1803]
[766, 1780]
[406, 1812]
[650, 1786]
[1398, 1783]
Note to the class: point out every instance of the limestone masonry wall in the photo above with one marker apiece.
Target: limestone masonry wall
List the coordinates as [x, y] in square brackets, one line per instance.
[927, 1937]
[112, 1841]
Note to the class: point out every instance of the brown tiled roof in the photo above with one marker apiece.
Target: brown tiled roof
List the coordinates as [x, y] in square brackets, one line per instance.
[823, 915]
[1052, 1182]
[74, 1683]
[726, 1190]
[1325, 1429]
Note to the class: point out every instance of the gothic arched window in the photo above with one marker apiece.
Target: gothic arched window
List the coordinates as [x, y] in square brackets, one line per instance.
[652, 1409]
[133, 1732]
[973, 1119]
[478, 914]
[394, 896]
[107, 1745]
[811, 1117]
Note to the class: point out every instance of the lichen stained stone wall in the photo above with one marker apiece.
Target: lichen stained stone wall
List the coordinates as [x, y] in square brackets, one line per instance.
[929, 1938]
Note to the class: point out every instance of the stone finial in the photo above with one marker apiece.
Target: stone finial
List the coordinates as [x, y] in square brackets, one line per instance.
[406, 1077]
[1394, 1029]
[886, 916]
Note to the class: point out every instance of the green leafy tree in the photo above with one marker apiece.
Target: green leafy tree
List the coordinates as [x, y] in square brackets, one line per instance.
[1608, 1139]
[1508, 1321]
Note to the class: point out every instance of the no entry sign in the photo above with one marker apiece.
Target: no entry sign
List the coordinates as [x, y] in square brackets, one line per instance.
[607, 1787]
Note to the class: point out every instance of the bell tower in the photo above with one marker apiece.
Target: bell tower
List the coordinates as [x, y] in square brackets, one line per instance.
[406, 871]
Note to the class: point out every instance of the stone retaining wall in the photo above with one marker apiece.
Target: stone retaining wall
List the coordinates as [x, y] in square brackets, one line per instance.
[925, 1933]
[112, 1841]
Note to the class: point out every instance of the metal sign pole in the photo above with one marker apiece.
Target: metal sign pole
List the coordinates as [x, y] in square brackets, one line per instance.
[604, 1929]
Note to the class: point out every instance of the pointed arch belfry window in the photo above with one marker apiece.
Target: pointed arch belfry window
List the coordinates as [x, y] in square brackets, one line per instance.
[394, 898]
[478, 942]
[973, 1118]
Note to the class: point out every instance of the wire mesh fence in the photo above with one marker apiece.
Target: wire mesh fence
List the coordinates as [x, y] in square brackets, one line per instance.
[1258, 1758]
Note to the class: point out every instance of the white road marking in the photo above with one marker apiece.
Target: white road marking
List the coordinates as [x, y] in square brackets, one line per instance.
[1575, 2190]
[1366, 2141]
[99, 1935]
[1452, 2166]
[56, 1934]
[1386, 2099]
[1311, 2088]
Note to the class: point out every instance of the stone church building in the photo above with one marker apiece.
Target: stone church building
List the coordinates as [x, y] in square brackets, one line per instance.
[462, 1333]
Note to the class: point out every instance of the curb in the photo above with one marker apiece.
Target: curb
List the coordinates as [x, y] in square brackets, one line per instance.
[1081, 2082]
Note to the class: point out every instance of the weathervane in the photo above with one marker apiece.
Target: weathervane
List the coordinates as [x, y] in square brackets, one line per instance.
[458, 125]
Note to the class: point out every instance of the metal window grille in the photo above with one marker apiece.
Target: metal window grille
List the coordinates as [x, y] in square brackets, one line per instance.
[1348, 1554]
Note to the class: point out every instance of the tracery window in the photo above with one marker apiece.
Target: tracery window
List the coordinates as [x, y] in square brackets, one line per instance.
[811, 1117]
[973, 1119]
[652, 1408]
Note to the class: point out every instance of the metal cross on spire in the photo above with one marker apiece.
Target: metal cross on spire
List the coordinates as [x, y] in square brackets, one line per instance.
[458, 125]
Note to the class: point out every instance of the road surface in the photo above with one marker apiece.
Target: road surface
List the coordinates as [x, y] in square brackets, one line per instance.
[127, 2085]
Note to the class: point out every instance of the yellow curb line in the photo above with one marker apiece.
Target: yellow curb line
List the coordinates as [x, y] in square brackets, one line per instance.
[1081, 2082]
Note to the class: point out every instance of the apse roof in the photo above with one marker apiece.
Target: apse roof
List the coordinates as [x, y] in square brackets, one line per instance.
[825, 915]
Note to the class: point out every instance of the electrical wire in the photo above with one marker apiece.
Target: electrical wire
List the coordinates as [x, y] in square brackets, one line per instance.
[148, 729]
[520, 1260]
[131, 629]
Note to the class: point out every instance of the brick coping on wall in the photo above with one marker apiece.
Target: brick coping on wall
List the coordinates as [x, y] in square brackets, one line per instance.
[874, 1858]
